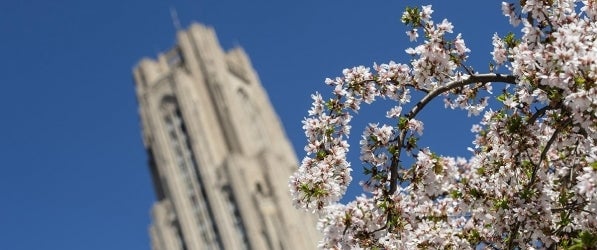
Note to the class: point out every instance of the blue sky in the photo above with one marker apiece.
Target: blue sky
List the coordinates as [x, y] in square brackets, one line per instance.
[74, 172]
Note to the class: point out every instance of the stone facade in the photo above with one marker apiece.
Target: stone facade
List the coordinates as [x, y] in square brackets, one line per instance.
[218, 155]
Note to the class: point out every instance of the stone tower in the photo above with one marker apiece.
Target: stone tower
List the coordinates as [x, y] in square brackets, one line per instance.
[218, 155]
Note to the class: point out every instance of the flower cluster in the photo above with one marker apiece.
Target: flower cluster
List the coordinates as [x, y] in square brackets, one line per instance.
[531, 181]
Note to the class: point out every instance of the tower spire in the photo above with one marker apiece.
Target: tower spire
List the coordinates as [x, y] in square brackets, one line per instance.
[174, 16]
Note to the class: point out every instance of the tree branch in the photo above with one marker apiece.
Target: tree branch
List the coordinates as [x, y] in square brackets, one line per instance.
[483, 78]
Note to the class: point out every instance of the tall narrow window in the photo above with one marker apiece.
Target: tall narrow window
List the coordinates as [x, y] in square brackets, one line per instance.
[236, 216]
[189, 173]
[179, 239]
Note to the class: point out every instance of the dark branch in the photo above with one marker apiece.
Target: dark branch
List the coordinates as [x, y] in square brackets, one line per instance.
[482, 78]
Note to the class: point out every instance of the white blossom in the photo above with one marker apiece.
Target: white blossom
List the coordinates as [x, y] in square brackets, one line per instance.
[531, 179]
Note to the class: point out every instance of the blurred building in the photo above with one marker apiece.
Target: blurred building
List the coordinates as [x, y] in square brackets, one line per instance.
[218, 155]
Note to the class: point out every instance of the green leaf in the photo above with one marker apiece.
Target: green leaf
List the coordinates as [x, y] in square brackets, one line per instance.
[501, 203]
[473, 236]
[321, 154]
[412, 17]
[585, 240]
[501, 97]
[594, 165]
[455, 194]
[510, 40]
[402, 122]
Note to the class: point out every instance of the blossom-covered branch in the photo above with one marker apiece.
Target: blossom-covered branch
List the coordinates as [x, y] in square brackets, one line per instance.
[531, 180]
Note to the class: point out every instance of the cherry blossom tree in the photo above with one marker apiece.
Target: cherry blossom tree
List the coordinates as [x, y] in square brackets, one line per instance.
[531, 179]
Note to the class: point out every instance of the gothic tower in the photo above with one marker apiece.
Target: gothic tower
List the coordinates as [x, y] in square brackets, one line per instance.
[218, 155]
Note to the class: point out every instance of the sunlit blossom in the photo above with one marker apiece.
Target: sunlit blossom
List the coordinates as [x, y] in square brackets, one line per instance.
[531, 179]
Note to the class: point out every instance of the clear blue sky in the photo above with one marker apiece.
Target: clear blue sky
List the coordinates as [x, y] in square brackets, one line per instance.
[74, 172]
